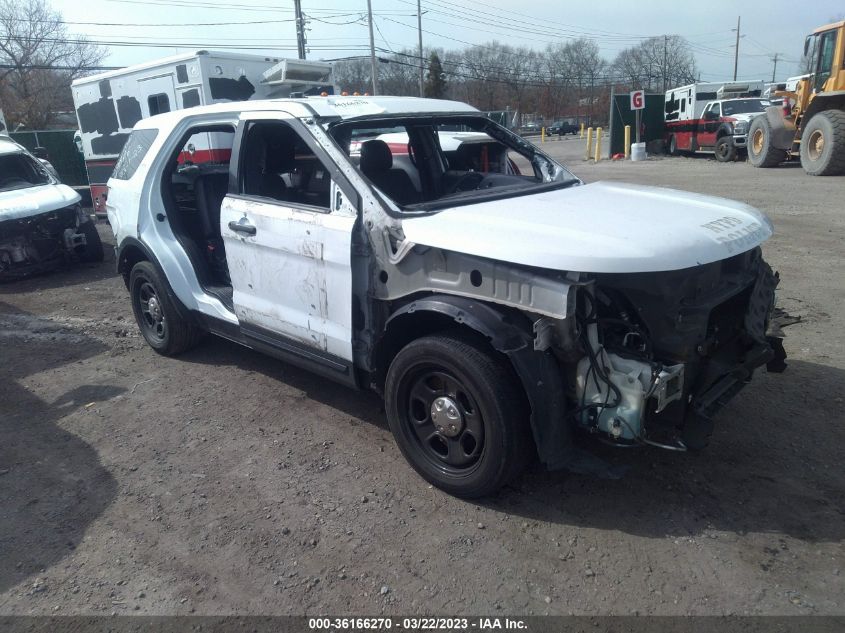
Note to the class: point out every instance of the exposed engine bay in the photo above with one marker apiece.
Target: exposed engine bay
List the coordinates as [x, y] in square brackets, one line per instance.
[40, 242]
[656, 355]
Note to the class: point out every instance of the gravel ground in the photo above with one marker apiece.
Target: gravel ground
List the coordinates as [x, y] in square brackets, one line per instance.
[226, 482]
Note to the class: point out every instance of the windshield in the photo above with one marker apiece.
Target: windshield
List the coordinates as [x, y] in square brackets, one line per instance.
[21, 171]
[431, 162]
[744, 106]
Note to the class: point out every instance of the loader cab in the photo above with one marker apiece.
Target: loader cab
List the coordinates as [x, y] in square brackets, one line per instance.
[824, 53]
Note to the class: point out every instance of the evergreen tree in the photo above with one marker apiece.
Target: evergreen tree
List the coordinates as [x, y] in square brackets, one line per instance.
[435, 81]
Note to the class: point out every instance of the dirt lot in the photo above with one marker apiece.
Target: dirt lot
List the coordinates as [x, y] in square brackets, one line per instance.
[226, 482]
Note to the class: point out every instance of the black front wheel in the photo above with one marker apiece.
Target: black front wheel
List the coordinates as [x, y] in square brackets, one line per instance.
[157, 317]
[458, 414]
[92, 250]
[725, 150]
[761, 149]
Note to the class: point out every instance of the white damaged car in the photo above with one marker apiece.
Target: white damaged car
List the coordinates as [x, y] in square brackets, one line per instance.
[42, 225]
[501, 306]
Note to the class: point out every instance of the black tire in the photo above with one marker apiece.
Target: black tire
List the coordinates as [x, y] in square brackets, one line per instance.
[93, 249]
[823, 144]
[761, 152]
[673, 146]
[725, 150]
[492, 442]
[159, 322]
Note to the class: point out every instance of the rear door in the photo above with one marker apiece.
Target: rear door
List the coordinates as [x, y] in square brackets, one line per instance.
[287, 229]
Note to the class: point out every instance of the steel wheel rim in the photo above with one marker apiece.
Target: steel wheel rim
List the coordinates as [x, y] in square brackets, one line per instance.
[152, 316]
[455, 450]
[722, 149]
[757, 141]
[815, 145]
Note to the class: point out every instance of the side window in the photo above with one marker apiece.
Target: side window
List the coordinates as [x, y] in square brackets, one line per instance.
[717, 109]
[158, 104]
[827, 46]
[133, 153]
[277, 163]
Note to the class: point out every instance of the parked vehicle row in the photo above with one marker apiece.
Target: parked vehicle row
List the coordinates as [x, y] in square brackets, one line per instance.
[712, 117]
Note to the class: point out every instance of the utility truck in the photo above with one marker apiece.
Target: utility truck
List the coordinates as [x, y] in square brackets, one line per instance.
[811, 125]
[712, 117]
[108, 105]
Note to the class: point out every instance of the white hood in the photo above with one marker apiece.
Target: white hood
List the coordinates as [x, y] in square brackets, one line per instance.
[604, 227]
[22, 203]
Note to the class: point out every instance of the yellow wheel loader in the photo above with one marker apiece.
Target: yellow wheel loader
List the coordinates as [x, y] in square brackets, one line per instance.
[812, 125]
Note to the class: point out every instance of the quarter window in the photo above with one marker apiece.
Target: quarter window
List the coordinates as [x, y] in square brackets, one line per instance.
[133, 153]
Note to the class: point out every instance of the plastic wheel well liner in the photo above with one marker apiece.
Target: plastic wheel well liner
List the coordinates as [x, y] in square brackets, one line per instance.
[539, 372]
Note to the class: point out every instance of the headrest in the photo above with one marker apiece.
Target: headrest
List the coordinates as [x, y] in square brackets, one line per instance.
[279, 155]
[375, 157]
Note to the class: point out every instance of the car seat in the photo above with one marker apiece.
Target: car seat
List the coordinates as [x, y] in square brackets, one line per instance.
[377, 165]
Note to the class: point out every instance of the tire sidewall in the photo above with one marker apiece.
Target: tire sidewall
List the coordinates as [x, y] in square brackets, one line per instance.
[822, 123]
[143, 272]
[93, 249]
[490, 465]
[729, 155]
[758, 124]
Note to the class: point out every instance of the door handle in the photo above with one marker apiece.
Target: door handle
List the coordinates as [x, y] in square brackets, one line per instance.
[239, 227]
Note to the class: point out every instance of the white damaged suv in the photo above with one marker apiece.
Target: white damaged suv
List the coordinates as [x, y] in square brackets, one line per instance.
[42, 224]
[500, 305]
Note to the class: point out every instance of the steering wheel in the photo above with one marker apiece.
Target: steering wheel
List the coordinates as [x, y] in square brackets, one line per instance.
[467, 182]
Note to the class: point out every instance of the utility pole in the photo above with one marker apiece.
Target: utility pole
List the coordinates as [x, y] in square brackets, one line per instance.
[300, 28]
[665, 59]
[422, 60]
[775, 69]
[736, 50]
[373, 66]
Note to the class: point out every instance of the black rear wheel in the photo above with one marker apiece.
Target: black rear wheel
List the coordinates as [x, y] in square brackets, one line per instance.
[673, 146]
[156, 314]
[458, 414]
[823, 144]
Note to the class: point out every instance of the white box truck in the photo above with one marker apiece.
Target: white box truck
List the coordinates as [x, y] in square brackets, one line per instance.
[108, 105]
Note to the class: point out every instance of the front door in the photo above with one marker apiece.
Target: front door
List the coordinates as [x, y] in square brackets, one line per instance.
[287, 232]
[709, 125]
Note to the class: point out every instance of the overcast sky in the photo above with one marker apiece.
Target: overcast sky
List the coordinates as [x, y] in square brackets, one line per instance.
[338, 30]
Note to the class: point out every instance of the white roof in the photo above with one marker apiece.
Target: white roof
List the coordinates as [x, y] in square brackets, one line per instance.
[169, 61]
[334, 106]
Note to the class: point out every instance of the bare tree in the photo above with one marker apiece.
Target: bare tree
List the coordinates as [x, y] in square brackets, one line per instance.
[38, 60]
[353, 75]
[657, 64]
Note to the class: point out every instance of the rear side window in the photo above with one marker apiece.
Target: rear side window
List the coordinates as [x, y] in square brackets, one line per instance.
[133, 153]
